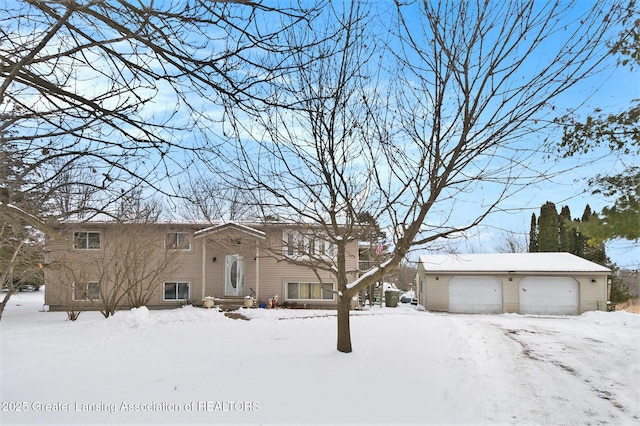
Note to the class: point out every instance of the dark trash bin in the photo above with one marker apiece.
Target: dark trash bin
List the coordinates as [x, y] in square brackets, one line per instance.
[391, 298]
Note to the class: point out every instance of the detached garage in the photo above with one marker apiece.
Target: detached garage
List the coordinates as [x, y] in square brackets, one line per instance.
[526, 283]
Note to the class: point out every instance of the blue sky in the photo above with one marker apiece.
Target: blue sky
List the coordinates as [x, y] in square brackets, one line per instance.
[611, 91]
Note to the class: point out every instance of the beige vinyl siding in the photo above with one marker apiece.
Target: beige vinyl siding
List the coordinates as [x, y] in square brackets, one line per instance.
[189, 265]
[437, 292]
[510, 293]
[271, 278]
[85, 263]
[228, 243]
[275, 275]
[593, 295]
[276, 271]
[60, 251]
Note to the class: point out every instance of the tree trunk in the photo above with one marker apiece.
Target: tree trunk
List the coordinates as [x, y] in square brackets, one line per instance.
[5, 300]
[344, 329]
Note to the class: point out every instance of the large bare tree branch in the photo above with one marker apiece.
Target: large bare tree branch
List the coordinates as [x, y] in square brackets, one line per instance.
[412, 126]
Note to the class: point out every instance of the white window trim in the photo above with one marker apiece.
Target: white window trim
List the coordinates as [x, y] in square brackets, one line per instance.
[176, 283]
[73, 240]
[286, 285]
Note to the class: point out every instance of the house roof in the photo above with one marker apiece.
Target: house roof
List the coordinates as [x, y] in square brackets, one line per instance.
[509, 262]
[229, 225]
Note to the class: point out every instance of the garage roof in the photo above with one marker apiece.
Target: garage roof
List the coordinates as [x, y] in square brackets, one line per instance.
[509, 262]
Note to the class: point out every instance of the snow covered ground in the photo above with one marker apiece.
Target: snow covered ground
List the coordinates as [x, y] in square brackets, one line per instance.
[194, 366]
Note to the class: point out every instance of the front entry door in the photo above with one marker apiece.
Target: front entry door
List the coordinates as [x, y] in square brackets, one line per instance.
[234, 275]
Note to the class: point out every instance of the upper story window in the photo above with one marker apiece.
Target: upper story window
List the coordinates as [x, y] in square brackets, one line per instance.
[298, 244]
[86, 240]
[177, 240]
[291, 244]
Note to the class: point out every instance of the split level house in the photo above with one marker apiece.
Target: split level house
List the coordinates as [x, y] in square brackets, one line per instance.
[171, 264]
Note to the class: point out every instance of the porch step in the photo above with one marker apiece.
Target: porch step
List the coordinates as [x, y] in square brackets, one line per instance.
[230, 303]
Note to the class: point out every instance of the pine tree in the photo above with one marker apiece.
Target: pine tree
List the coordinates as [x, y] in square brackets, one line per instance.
[566, 231]
[548, 238]
[533, 235]
[20, 250]
[557, 232]
[581, 239]
[593, 250]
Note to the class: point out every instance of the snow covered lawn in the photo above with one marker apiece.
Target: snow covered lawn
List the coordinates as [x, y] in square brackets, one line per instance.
[197, 366]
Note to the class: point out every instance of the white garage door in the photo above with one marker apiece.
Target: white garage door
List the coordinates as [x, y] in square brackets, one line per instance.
[475, 295]
[548, 296]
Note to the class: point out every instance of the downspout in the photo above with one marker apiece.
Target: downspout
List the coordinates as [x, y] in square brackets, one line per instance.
[257, 270]
[204, 265]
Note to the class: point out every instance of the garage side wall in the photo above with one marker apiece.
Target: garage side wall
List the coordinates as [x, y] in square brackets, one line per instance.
[593, 293]
[437, 292]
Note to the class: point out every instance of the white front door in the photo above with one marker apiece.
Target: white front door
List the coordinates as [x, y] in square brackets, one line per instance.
[234, 275]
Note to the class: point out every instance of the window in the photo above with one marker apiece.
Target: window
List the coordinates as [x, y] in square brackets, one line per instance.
[86, 292]
[176, 291]
[325, 248]
[178, 241]
[86, 240]
[310, 291]
[290, 244]
[298, 244]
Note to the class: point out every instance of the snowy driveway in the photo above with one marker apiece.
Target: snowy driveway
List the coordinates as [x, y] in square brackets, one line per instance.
[582, 370]
[197, 366]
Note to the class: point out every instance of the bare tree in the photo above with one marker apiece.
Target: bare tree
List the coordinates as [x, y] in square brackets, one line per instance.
[406, 275]
[127, 272]
[410, 131]
[512, 242]
[117, 87]
[212, 200]
[98, 98]
[71, 190]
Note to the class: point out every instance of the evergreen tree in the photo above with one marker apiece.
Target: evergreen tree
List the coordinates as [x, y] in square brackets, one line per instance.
[557, 232]
[548, 222]
[593, 250]
[620, 293]
[533, 235]
[566, 231]
[620, 132]
[581, 239]
[21, 254]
